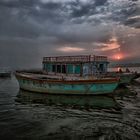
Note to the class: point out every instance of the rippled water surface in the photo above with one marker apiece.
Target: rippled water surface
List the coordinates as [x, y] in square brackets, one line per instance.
[22, 118]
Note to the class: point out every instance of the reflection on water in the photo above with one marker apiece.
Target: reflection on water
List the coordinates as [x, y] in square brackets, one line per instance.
[86, 101]
[24, 117]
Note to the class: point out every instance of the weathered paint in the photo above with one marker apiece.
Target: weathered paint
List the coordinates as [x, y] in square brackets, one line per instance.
[67, 87]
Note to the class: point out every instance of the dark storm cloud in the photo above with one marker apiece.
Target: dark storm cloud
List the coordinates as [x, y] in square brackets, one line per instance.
[125, 15]
[51, 24]
[31, 18]
[15, 22]
[79, 9]
[134, 22]
[100, 2]
[123, 10]
[18, 3]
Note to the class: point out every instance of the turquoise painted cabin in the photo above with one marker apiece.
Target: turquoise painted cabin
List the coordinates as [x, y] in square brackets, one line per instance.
[81, 65]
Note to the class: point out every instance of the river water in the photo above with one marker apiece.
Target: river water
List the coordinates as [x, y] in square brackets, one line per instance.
[20, 118]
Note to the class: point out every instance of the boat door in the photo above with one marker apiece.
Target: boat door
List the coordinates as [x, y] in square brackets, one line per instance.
[85, 70]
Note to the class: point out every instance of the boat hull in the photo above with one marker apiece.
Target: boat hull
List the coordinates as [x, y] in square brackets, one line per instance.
[82, 87]
[5, 74]
[125, 78]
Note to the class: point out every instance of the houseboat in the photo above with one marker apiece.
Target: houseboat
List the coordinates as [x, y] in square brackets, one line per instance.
[70, 75]
[85, 66]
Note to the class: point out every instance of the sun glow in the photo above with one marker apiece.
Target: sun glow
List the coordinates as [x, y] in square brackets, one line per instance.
[117, 57]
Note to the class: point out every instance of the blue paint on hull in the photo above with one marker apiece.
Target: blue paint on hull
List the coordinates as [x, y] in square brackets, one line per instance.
[62, 88]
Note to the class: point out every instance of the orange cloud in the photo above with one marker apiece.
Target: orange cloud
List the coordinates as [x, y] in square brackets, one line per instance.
[70, 49]
[113, 44]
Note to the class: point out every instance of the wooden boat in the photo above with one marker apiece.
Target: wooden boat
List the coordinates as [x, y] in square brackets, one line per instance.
[65, 85]
[125, 78]
[137, 75]
[69, 75]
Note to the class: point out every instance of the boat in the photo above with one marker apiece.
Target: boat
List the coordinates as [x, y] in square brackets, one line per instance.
[5, 73]
[69, 75]
[125, 77]
[137, 75]
[61, 85]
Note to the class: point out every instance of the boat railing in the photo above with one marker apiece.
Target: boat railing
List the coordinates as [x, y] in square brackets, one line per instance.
[80, 58]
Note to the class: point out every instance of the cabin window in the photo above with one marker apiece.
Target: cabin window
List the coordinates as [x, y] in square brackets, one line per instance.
[101, 68]
[53, 68]
[63, 68]
[49, 67]
[70, 68]
[77, 69]
[59, 68]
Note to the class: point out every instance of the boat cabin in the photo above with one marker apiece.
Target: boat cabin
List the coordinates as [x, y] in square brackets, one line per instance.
[81, 65]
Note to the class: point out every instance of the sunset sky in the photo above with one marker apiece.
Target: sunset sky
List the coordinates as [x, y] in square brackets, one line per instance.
[31, 29]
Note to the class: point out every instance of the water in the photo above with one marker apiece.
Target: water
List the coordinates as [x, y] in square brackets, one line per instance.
[22, 118]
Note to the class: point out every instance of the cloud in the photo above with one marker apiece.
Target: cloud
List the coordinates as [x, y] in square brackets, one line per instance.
[68, 26]
[64, 1]
[133, 21]
[70, 49]
[44, 17]
[134, 17]
[111, 45]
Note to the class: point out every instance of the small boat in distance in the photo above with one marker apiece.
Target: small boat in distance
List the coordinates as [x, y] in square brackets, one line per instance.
[69, 75]
[4, 73]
